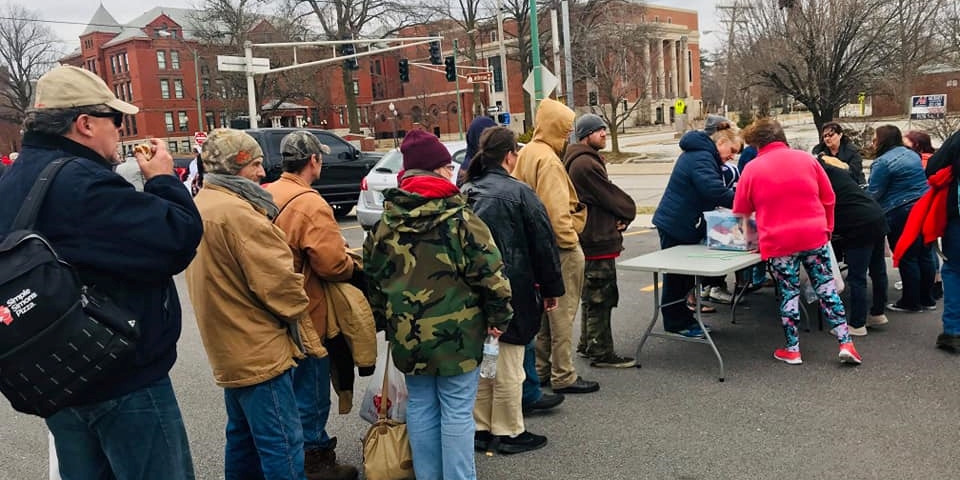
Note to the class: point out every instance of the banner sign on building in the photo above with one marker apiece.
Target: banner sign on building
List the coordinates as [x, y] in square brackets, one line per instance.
[924, 107]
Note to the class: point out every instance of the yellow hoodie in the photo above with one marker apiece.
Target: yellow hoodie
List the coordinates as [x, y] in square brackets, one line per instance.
[540, 167]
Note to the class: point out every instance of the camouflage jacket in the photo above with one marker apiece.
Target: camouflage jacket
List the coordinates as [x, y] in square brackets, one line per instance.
[436, 281]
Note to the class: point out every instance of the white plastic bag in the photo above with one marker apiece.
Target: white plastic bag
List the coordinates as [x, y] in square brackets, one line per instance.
[397, 396]
[835, 266]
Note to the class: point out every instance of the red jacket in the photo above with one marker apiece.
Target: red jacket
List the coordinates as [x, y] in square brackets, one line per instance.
[928, 216]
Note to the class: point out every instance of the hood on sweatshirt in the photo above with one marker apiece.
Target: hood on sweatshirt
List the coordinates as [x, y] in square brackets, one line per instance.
[477, 126]
[554, 124]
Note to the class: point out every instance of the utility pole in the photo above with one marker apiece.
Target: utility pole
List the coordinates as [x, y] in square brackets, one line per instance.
[733, 17]
[535, 54]
[567, 54]
[456, 45]
[555, 41]
[503, 57]
[251, 86]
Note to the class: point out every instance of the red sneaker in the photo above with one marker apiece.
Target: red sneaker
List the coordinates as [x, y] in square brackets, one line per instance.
[793, 358]
[848, 354]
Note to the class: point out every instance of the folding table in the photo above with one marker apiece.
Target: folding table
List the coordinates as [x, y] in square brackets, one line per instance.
[697, 261]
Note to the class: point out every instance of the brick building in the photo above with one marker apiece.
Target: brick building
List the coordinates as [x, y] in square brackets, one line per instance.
[937, 79]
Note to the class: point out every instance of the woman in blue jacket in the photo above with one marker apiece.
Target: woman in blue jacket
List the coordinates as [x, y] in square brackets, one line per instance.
[696, 185]
[897, 181]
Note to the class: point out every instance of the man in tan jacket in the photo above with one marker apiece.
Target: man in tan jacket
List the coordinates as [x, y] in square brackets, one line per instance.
[321, 253]
[540, 167]
[251, 311]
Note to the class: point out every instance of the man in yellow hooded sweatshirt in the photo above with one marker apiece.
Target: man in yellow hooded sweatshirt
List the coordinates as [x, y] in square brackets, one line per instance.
[540, 167]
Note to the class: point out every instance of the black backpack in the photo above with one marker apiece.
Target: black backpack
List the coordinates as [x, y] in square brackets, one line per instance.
[57, 337]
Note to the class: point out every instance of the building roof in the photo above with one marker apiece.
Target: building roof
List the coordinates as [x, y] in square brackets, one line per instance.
[102, 21]
[134, 28]
[283, 106]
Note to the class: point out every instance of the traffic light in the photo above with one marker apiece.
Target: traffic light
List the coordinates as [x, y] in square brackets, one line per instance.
[349, 63]
[435, 57]
[450, 66]
[593, 99]
[404, 70]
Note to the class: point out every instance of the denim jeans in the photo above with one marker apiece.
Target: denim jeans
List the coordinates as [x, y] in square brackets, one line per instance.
[950, 273]
[311, 385]
[440, 425]
[676, 317]
[531, 384]
[138, 435]
[860, 260]
[916, 266]
[264, 434]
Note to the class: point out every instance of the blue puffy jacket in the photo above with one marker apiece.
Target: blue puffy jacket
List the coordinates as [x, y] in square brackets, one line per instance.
[126, 243]
[897, 178]
[696, 185]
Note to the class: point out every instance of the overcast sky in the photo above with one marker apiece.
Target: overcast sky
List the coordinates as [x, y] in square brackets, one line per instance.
[75, 15]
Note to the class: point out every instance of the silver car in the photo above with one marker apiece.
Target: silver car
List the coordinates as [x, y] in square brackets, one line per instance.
[383, 175]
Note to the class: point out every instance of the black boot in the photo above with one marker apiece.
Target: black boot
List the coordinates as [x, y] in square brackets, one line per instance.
[321, 464]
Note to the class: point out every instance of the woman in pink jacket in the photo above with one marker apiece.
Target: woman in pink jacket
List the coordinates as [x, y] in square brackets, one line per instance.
[791, 194]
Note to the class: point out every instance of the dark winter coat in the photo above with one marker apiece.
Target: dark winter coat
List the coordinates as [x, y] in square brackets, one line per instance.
[606, 203]
[521, 229]
[695, 186]
[847, 153]
[127, 244]
[858, 218]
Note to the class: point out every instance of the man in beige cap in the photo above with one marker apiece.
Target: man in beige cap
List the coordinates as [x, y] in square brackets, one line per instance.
[251, 311]
[317, 244]
[127, 244]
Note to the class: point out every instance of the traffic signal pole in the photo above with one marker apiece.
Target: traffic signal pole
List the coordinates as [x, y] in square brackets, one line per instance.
[535, 53]
[460, 107]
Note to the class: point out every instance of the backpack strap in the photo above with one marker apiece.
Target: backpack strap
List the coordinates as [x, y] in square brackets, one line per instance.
[27, 215]
[291, 201]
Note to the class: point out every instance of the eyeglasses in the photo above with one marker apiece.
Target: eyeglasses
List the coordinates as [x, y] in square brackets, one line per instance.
[449, 167]
[829, 135]
[115, 115]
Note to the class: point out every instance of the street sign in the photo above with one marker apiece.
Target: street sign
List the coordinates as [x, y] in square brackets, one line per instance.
[228, 63]
[480, 77]
[504, 118]
[199, 137]
[923, 107]
[547, 79]
[679, 107]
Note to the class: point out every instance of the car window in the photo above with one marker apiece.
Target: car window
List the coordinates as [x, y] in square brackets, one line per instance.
[391, 162]
[340, 151]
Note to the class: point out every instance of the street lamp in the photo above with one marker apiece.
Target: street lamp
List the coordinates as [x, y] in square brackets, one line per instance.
[393, 111]
[196, 73]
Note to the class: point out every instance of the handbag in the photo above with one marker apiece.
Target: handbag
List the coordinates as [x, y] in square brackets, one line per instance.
[386, 446]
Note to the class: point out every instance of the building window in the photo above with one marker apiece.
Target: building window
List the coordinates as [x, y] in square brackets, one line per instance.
[113, 65]
[656, 19]
[497, 73]
[161, 60]
[184, 126]
[493, 36]
[340, 115]
[168, 119]
[178, 88]
[952, 83]
[689, 66]
[184, 145]
[356, 87]
[126, 66]
[222, 87]
[223, 119]
[133, 123]
[129, 91]
[172, 146]
[209, 118]
[669, 19]
[174, 59]
[206, 88]
[165, 89]
[126, 124]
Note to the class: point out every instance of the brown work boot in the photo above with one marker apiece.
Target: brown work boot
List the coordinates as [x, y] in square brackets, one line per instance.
[321, 464]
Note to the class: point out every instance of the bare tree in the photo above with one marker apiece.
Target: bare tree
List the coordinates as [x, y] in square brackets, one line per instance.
[609, 54]
[350, 19]
[914, 42]
[28, 48]
[471, 16]
[821, 52]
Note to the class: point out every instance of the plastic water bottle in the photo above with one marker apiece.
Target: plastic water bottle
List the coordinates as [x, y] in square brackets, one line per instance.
[491, 349]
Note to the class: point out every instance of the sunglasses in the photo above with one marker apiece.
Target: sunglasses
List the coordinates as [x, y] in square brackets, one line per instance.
[115, 115]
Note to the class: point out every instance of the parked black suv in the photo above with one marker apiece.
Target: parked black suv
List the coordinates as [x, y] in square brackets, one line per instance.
[343, 169]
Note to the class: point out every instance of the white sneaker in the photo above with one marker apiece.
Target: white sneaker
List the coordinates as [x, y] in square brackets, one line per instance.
[857, 332]
[721, 295]
[877, 320]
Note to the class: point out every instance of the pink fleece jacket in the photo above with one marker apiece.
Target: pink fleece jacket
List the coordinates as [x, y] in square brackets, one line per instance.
[793, 199]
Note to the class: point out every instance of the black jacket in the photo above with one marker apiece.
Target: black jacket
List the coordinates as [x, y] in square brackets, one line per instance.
[606, 203]
[948, 156]
[858, 219]
[127, 244]
[848, 154]
[695, 186]
[522, 232]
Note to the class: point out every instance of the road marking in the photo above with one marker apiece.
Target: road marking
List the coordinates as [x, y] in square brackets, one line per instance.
[350, 228]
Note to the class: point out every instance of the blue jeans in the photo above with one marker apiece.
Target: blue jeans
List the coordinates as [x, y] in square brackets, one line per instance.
[531, 384]
[440, 425]
[860, 260]
[916, 266]
[264, 435]
[138, 435]
[950, 273]
[311, 385]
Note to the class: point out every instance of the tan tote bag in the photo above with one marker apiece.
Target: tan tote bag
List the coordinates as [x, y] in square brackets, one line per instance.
[386, 447]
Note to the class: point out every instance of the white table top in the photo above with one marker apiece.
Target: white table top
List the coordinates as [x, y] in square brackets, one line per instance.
[691, 260]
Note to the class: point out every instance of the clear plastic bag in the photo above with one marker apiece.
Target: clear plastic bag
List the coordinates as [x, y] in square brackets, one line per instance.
[835, 266]
[397, 395]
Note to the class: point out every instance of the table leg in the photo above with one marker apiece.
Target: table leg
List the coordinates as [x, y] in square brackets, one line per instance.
[656, 316]
[703, 327]
[737, 296]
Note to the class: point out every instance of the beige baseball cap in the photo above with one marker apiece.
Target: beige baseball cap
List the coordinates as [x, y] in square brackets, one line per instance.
[71, 87]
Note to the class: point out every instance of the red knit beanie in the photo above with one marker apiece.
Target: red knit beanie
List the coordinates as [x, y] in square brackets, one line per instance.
[423, 151]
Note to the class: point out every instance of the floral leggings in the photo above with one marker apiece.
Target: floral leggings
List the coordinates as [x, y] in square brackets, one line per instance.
[786, 270]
